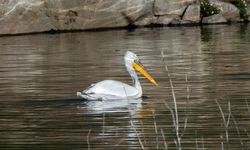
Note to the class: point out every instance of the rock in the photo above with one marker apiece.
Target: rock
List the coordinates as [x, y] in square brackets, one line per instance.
[169, 20]
[192, 14]
[145, 21]
[25, 18]
[218, 18]
[28, 16]
[3, 7]
[120, 13]
[170, 12]
[228, 11]
[102, 14]
[171, 7]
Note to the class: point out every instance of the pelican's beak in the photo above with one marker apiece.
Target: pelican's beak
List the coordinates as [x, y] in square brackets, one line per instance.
[137, 66]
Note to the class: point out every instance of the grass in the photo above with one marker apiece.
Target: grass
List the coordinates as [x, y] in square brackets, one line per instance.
[139, 139]
[88, 139]
[225, 122]
[164, 139]
[174, 110]
[226, 118]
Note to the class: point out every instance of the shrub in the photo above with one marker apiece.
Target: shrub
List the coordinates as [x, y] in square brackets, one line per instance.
[242, 6]
[208, 9]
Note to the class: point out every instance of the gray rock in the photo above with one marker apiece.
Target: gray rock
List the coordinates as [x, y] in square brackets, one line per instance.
[104, 14]
[3, 7]
[145, 21]
[192, 14]
[171, 7]
[25, 18]
[218, 18]
[168, 20]
[29, 16]
[229, 11]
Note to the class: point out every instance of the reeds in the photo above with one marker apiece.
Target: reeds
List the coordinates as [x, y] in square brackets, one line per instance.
[248, 108]
[174, 110]
[88, 139]
[139, 139]
[238, 130]
[164, 139]
[156, 130]
[225, 122]
[103, 124]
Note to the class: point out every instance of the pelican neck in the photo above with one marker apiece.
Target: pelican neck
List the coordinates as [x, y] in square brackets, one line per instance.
[136, 82]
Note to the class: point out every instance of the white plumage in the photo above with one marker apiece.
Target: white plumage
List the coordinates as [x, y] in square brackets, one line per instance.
[111, 89]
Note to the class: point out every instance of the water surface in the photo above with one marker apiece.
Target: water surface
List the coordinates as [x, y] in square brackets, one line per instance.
[40, 75]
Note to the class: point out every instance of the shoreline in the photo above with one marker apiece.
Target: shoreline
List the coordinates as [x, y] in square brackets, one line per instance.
[128, 28]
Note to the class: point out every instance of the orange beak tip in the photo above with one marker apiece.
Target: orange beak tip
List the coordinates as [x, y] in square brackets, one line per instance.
[155, 83]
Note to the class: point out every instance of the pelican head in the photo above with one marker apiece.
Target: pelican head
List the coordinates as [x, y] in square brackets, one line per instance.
[132, 62]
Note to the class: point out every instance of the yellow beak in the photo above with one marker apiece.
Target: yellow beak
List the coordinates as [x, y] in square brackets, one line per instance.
[140, 69]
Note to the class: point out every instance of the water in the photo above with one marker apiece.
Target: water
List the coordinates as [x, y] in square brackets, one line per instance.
[40, 75]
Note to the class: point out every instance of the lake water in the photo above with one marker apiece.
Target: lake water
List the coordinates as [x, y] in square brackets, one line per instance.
[209, 68]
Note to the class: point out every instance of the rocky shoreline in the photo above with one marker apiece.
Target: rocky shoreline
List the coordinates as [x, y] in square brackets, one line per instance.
[35, 16]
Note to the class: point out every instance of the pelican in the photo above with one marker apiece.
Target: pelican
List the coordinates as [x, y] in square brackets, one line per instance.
[115, 90]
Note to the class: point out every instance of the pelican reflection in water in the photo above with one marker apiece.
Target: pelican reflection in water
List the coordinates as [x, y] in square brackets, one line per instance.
[112, 90]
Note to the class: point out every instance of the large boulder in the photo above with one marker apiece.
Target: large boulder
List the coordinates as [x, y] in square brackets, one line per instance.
[229, 11]
[24, 18]
[168, 20]
[29, 16]
[214, 19]
[171, 7]
[192, 14]
[172, 12]
[3, 7]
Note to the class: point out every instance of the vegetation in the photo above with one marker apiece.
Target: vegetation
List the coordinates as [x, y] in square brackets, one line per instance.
[242, 6]
[208, 9]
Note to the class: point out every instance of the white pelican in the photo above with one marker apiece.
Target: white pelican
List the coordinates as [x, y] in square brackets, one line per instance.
[112, 90]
